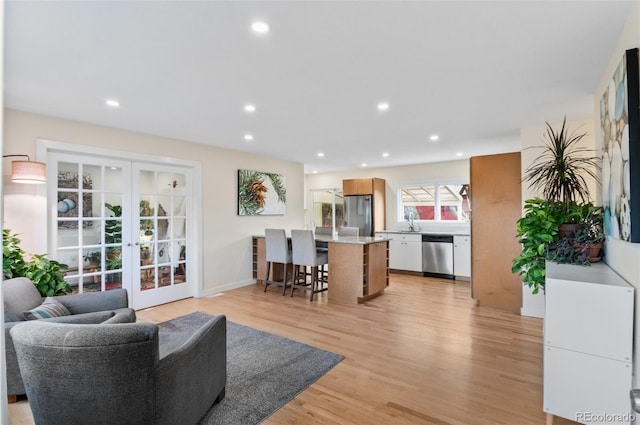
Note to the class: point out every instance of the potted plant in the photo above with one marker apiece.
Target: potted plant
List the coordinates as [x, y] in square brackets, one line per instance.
[591, 235]
[536, 230]
[562, 169]
[93, 257]
[561, 173]
[113, 231]
[45, 274]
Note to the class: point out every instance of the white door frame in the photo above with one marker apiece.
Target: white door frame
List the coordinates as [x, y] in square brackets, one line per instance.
[45, 146]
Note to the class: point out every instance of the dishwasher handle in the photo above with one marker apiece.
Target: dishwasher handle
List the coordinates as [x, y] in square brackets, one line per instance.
[437, 238]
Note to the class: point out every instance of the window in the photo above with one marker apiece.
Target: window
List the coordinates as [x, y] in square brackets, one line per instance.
[442, 202]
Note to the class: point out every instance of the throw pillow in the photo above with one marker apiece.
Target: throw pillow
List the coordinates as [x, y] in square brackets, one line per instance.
[50, 307]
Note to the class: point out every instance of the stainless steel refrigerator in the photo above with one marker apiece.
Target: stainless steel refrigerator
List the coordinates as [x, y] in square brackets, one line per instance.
[358, 213]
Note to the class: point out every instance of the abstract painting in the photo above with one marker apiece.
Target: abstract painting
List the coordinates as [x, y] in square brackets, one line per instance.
[620, 132]
[261, 193]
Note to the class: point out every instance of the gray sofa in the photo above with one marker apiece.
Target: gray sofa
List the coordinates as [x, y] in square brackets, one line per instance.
[20, 295]
[121, 374]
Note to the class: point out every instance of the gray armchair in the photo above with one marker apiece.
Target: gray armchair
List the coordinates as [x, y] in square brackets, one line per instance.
[121, 374]
[20, 295]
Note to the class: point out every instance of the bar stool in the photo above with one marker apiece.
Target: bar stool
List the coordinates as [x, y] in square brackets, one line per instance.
[349, 231]
[304, 252]
[323, 247]
[277, 251]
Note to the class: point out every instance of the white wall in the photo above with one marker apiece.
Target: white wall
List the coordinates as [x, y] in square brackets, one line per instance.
[227, 236]
[623, 257]
[436, 172]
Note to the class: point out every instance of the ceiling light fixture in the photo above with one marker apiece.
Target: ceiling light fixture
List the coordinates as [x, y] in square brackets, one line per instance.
[248, 137]
[260, 27]
[383, 106]
[112, 103]
[315, 171]
[320, 155]
[363, 164]
[385, 155]
[459, 154]
[434, 137]
[249, 108]
[28, 172]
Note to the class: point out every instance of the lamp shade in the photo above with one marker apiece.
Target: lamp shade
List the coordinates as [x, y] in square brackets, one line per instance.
[30, 172]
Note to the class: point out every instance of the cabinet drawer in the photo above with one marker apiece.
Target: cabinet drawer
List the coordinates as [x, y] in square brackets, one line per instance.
[405, 237]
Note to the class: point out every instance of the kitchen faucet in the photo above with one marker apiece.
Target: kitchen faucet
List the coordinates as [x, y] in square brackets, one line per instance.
[410, 218]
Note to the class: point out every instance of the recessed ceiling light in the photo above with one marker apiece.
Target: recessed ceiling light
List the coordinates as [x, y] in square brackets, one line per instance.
[363, 164]
[112, 103]
[385, 155]
[249, 108]
[320, 154]
[248, 136]
[383, 106]
[459, 154]
[315, 171]
[434, 137]
[260, 27]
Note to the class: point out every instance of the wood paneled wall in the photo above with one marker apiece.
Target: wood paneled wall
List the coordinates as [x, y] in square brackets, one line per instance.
[497, 205]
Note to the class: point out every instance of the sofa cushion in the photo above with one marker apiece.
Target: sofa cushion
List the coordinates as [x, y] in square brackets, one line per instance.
[49, 308]
[20, 295]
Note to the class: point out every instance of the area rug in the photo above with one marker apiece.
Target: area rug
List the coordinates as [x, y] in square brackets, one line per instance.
[264, 371]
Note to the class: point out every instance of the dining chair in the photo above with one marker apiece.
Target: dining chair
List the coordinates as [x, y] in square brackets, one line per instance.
[304, 253]
[277, 251]
[320, 230]
[349, 231]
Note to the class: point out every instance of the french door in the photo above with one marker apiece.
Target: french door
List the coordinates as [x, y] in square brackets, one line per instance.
[121, 224]
[163, 194]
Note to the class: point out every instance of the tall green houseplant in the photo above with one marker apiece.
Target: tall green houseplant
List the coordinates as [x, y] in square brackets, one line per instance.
[561, 172]
[536, 230]
[563, 168]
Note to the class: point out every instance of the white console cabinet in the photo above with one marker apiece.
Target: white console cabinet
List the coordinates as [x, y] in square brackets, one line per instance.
[588, 344]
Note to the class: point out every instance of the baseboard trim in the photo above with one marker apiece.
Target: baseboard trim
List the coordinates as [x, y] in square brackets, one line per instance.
[532, 312]
[227, 287]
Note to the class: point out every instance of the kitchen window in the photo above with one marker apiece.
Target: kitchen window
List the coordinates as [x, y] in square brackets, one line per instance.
[434, 202]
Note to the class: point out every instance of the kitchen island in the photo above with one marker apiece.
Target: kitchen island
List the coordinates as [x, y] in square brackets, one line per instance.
[358, 266]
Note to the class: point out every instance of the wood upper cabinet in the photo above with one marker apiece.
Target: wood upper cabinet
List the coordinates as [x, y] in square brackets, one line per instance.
[358, 186]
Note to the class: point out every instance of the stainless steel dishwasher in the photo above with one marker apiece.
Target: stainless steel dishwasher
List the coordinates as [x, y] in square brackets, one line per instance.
[437, 255]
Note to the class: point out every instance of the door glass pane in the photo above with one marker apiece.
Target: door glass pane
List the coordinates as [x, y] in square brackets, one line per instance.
[113, 179]
[85, 225]
[162, 227]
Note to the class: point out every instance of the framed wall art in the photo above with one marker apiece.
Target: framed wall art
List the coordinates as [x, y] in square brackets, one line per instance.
[620, 131]
[261, 193]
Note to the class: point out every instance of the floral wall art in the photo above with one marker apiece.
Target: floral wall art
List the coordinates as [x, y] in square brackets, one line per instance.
[620, 126]
[261, 193]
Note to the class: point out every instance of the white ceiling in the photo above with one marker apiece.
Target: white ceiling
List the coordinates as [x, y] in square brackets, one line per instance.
[474, 72]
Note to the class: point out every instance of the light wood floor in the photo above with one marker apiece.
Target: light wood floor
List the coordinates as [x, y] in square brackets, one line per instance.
[423, 353]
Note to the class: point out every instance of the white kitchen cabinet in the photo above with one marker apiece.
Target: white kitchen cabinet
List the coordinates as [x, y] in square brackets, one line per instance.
[405, 252]
[588, 344]
[462, 257]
